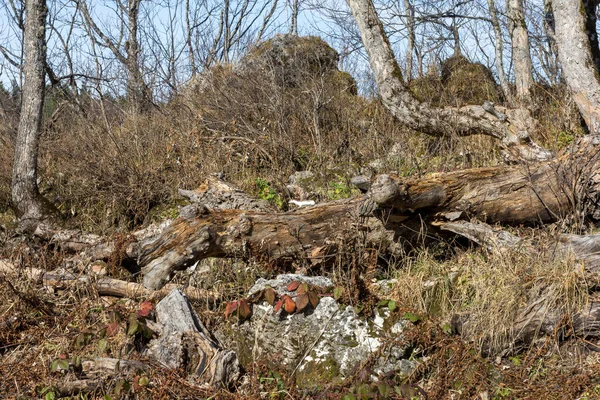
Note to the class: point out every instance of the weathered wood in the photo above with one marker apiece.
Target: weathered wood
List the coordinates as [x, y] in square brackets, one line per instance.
[112, 366]
[311, 233]
[104, 286]
[518, 194]
[186, 343]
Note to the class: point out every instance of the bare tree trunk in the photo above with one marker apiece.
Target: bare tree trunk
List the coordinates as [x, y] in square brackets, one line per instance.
[512, 130]
[577, 60]
[30, 207]
[499, 47]
[552, 50]
[520, 50]
[295, 11]
[410, 47]
[188, 39]
[138, 92]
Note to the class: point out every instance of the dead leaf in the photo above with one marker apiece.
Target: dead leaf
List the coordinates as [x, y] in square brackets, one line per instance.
[302, 289]
[301, 301]
[112, 329]
[293, 286]
[278, 305]
[244, 309]
[314, 299]
[288, 304]
[145, 309]
[269, 295]
[230, 309]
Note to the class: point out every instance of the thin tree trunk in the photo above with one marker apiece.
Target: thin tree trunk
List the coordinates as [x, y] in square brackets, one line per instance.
[30, 207]
[138, 92]
[577, 59]
[295, 11]
[512, 130]
[499, 47]
[188, 40]
[410, 27]
[520, 51]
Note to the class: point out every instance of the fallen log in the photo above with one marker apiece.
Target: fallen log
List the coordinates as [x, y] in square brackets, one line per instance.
[105, 286]
[518, 194]
[310, 234]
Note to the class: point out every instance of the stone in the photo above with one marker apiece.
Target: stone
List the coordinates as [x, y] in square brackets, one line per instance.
[320, 345]
[362, 182]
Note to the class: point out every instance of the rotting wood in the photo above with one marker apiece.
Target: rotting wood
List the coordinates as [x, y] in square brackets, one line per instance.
[185, 343]
[105, 286]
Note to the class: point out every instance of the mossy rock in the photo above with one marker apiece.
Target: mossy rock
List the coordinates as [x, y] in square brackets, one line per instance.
[293, 59]
[461, 82]
[465, 82]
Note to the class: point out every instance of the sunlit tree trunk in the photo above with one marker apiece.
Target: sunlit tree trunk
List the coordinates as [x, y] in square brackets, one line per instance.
[577, 58]
[520, 50]
[31, 209]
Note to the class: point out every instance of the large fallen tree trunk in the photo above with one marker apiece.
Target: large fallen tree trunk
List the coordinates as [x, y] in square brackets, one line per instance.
[519, 194]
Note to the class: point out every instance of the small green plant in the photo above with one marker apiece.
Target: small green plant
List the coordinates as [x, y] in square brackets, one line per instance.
[502, 393]
[338, 190]
[266, 192]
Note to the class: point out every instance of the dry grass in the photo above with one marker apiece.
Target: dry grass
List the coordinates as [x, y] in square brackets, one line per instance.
[489, 289]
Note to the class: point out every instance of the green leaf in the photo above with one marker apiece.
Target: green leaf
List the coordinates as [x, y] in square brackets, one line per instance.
[392, 305]
[50, 396]
[412, 317]
[338, 291]
[384, 390]
[59, 365]
[383, 303]
[134, 327]
[447, 329]
[146, 331]
[143, 381]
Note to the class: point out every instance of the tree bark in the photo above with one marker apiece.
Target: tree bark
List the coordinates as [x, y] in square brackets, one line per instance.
[410, 47]
[499, 48]
[138, 93]
[30, 207]
[511, 130]
[577, 59]
[518, 194]
[520, 51]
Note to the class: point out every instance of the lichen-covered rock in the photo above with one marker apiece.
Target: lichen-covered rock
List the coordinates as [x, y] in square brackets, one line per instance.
[328, 342]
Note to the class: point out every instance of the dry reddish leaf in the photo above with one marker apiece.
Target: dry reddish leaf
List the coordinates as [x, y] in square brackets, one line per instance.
[301, 301]
[288, 304]
[145, 309]
[278, 305]
[269, 295]
[302, 289]
[230, 309]
[314, 299]
[244, 309]
[293, 286]
[112, 329]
